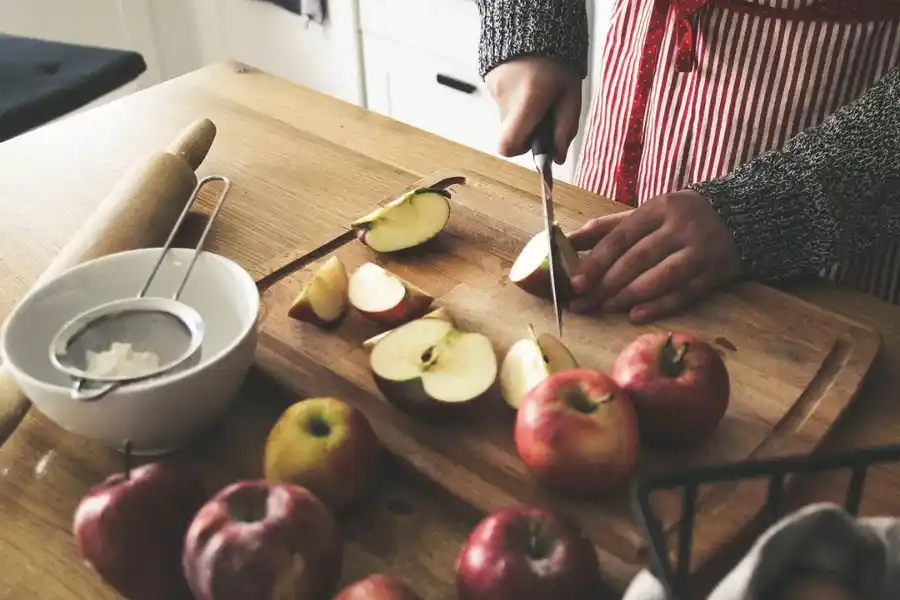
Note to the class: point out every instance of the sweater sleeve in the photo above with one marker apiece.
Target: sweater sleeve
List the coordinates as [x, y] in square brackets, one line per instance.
[556, 29]
[831, 193]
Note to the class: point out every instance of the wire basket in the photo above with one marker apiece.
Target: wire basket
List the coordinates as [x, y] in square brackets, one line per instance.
[676, 578]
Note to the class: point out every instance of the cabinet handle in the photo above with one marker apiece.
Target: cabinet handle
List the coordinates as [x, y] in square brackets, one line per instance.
[456, 84]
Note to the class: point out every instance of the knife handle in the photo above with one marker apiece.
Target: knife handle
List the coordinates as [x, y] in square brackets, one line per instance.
[543, 138]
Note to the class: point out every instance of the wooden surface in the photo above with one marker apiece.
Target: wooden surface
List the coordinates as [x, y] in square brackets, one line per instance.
[794, 368]
[286, 149]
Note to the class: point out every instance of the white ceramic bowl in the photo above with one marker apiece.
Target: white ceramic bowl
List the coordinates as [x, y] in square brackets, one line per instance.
[157, 415]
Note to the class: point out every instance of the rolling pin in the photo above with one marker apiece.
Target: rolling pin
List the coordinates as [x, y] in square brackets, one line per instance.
[139, 212]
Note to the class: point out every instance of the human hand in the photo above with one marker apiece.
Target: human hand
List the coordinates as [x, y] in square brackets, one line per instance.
[655, 259]
[525, 89]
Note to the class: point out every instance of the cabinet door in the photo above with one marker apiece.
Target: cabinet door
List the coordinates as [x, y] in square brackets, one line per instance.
[322, 57]
[435, 94]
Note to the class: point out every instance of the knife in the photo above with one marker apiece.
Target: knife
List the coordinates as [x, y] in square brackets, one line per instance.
[542, 149]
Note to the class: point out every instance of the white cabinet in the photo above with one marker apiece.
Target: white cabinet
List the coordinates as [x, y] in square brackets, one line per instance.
[431, 93]
[421, 67]
[263, 35]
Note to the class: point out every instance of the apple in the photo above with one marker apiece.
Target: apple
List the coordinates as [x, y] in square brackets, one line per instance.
[531, 270]
[323, 301]
[256, 539]
[377, 587]
[411, 220]
[576, 432]
[526, 553]
[679, 386]
[428, 366]
[130, 528]
[326, 446]
[531, 360]
[440, 313]
[386, 298]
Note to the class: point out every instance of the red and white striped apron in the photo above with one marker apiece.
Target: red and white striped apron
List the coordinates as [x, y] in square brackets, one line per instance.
[689, 90]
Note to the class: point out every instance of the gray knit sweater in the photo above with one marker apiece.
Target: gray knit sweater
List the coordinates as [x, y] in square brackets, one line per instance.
[832, 193]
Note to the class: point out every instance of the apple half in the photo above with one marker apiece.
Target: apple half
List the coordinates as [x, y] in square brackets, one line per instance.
[531, 271]
[530, 361]
[429, 366]
[386, 298]
[323, 301]
[411, 220]
[440, 313]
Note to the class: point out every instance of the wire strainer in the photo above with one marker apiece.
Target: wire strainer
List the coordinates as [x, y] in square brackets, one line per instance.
[138, 338]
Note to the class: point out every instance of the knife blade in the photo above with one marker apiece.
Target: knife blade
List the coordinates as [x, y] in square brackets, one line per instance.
[542, 150]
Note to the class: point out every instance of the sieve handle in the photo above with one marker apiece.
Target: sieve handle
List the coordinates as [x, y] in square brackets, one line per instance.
[199, 247]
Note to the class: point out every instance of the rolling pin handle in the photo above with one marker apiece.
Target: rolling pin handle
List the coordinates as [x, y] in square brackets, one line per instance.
[193, 143]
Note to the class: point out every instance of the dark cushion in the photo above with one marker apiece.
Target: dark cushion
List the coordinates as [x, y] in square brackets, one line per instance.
[41, 81]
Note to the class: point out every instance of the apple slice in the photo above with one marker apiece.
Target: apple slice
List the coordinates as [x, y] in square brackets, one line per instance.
[411, 220]
[323, 301]
[440, 313]
[531, 271]
[531, 360]
[386, 298]
[428, 366]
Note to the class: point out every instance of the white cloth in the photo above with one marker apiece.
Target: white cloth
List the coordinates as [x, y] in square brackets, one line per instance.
[864, 554]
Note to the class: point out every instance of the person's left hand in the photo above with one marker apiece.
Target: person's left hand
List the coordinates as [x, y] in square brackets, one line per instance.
[655, 259]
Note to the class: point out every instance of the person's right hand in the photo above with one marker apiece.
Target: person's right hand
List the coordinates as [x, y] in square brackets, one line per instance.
[525, 90]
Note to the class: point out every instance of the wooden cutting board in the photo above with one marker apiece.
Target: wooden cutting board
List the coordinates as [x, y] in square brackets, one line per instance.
[794, 368]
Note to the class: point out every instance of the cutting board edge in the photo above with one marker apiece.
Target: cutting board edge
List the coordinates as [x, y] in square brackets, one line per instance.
[834, 395]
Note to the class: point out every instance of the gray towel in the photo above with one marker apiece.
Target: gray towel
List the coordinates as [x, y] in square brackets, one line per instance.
[820, 539]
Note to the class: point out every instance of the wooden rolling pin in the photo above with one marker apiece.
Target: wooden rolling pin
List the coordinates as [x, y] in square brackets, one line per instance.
[139, 212]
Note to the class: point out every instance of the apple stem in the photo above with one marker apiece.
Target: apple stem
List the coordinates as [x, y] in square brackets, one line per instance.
[672, 358]
[127, 459]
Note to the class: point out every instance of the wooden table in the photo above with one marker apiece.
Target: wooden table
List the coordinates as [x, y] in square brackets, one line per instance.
[278, 143]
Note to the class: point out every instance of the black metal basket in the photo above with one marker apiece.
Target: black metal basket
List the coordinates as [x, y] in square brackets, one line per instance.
[676, 579]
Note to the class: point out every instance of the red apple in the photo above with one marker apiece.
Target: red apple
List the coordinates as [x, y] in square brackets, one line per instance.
[377, 587]
[263, 540]
[525, 553]
[326, 446]
[130, 529]
[679, 386]
[576, 431]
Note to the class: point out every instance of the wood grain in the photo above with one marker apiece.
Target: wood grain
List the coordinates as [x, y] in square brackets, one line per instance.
[794, 368]
[288, 196]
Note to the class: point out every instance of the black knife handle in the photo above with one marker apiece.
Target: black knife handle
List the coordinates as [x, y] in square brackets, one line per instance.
[543, 138]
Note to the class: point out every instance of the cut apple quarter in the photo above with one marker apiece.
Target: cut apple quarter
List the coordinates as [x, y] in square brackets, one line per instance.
[409, 221]
[531, 360]
[429, 365]
[323, 301]
[531, 271]
[386, 298]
